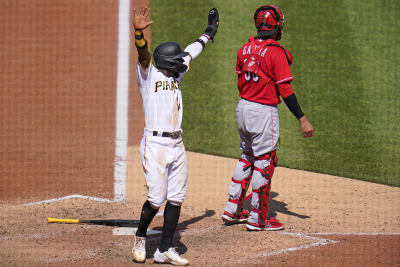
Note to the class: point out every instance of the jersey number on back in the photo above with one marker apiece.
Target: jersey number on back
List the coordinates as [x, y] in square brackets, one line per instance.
[248, 76]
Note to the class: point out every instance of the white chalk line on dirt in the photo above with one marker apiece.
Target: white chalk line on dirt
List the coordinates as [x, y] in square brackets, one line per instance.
[41, 235]
[28, 236]
[355, 234]
[121, 105]
[69, 197]
[319, 242]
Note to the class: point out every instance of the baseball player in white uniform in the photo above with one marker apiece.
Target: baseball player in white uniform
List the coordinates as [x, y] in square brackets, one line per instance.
[161, 149]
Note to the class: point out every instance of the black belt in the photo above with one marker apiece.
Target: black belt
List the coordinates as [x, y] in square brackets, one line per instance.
[173, 135]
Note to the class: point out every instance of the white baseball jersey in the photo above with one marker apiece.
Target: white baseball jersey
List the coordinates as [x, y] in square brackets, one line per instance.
[162, 99]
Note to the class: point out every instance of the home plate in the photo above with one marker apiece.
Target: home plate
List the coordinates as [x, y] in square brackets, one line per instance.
[132, 231]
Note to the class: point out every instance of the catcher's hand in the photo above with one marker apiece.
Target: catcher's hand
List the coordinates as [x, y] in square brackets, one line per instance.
[306, 127]
[140, 17]
[213, 22]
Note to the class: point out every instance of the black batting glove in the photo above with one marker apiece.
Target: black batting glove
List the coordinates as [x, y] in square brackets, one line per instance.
[213, 22]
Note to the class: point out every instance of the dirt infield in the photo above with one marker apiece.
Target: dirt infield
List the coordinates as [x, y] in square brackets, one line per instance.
[58, 76]
[330, 221]
[57, 118]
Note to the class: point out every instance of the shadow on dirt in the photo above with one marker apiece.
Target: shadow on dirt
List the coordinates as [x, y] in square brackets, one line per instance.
[153, 243]
[280, 206]
[276, 206]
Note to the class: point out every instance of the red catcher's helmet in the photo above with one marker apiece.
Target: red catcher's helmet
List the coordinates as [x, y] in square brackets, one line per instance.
[268, 20]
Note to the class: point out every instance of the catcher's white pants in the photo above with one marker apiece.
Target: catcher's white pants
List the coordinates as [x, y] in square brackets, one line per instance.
[164, 165]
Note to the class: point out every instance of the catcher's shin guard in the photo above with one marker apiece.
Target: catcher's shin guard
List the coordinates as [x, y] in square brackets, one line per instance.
[263, 196]
[264, 191]
[239, 201]
[245, 169]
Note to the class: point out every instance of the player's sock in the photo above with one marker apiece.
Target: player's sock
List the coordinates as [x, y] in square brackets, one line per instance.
[146, 217]
[171, 218]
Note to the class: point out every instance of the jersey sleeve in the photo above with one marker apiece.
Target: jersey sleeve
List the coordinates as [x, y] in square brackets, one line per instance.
[285, 90]
[238, 60]
[195, 48]
[282, 71]
[142, 74]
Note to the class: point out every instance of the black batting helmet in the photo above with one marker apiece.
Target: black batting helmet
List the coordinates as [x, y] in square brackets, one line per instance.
[268, 20]
[169, 56]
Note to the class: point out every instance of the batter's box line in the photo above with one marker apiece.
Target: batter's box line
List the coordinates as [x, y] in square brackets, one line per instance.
[69, 197]
[319, 242]
[357, 233]
[43, 235]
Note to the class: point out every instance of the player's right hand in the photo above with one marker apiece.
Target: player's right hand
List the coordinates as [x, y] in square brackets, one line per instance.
[140, 17]
[306, 127]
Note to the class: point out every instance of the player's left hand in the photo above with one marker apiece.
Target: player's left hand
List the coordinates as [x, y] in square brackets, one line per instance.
[140, 17]
[213, 23]
[306, 127]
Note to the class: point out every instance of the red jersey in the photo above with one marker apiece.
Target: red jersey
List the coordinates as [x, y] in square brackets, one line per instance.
[261, 65]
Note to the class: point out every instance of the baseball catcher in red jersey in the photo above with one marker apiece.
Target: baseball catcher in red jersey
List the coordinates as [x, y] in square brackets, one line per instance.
[263, 69]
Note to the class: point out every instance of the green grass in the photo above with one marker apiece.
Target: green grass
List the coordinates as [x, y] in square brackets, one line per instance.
[346, 70]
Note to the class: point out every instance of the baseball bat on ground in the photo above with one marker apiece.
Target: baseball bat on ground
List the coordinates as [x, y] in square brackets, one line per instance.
[117, 222]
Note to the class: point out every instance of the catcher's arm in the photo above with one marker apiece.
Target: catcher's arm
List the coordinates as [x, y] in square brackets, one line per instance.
[140, 23]
[195, 48]
[291, 102]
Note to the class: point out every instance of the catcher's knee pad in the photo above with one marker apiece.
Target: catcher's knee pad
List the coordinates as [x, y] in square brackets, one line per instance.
[268, 171]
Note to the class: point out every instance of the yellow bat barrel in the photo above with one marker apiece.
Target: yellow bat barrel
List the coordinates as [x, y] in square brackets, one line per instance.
[54, 220]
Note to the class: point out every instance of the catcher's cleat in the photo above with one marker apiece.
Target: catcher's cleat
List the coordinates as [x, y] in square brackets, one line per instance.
[229, 219]
[139, 249]
[169, 256]
[272, 225]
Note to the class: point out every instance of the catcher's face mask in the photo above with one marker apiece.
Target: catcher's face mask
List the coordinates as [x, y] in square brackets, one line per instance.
[268, 20]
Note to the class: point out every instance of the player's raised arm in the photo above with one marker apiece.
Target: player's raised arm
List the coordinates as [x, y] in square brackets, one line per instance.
[140, 23]
[195, 48]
